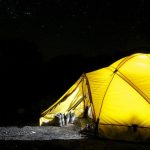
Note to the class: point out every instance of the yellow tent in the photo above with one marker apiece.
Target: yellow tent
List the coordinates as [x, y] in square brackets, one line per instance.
[119, 96]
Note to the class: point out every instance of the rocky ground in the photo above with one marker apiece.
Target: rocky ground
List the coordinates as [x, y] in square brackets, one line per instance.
[50, 137]
[32, 133]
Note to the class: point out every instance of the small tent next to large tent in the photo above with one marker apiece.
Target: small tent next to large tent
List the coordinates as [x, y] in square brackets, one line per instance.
[118, 95]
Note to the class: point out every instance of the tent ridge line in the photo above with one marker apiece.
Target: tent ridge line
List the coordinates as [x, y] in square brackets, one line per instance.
[83, 92]
[105, 95]
[133, 86]
[90, 95]
[125, 60]
[121, 75]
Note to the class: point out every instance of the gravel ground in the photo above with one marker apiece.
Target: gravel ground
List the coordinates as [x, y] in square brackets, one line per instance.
[64, 138]
[40, 133]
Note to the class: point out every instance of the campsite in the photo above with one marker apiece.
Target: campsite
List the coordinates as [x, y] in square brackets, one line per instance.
[131, 132]
[115, 98]
[74, 74]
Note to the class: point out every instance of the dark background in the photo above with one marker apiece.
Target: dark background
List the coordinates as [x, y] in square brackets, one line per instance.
[45, 45]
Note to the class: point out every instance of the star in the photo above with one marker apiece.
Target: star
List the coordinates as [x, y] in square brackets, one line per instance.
[27, 13]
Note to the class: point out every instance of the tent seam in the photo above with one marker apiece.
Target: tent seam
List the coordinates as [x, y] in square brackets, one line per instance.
[90, 95]
[121, 75]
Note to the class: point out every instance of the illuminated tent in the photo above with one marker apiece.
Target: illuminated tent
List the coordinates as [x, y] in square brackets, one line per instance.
[119, 96]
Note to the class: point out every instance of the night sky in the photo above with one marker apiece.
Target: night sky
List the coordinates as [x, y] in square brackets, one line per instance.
[45, 45]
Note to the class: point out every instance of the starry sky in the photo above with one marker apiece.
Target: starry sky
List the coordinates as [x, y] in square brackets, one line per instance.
[45, 45]
[60, 27]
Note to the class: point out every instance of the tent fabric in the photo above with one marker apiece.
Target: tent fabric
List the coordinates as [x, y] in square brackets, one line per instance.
[118, 94]
[75, 99]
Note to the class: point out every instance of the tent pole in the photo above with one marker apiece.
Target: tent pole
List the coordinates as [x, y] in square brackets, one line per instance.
[90, 95]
